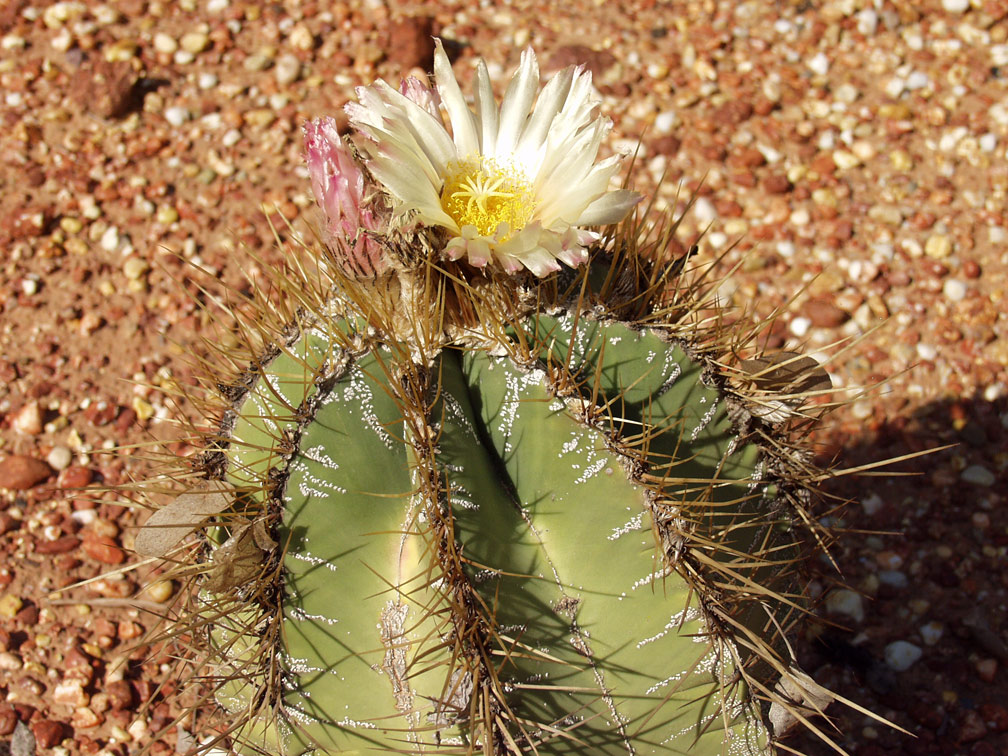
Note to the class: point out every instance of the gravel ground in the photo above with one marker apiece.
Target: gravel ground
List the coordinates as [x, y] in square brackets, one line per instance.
[857, 149]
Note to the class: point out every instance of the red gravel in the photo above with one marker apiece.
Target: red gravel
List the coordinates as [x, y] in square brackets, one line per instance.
[856, 149]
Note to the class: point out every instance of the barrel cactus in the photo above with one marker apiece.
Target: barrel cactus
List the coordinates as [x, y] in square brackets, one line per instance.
[462, 500]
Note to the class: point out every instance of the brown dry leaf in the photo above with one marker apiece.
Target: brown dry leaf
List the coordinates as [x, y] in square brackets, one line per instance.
[800, 692]
[238, 560]
[170, 524]
[787, 373]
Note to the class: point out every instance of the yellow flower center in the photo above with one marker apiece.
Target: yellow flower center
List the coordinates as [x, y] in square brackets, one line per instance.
[479, 192]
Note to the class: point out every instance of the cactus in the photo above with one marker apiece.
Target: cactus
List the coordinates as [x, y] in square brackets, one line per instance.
[450, 507]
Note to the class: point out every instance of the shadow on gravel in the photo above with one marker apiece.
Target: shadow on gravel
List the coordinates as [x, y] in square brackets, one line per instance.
[926, 646]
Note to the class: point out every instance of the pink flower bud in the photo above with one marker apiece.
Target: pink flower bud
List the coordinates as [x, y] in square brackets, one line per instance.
[342, 193]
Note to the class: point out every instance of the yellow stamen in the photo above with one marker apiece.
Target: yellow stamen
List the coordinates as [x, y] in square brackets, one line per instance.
[479, 192]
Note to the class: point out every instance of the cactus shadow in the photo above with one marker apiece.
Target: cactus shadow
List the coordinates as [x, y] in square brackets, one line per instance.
[926, 551]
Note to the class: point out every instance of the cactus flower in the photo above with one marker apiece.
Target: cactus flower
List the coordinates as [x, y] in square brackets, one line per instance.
[515, 185]
[341, 192]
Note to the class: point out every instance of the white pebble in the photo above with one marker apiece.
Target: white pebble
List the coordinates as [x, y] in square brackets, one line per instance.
[800, 217]
[288, 69]
[846, 603]
[988, 142]
[84, 516]
[917, 80]
[931, 632]
[900, 655]
[59, 458]
[231, 137]
[867, 21]
[176, 115]
[819, 64]
[978, 475]
[893, 579]
[895, 86]
[956, 6]
[165, 43]
[799, 326]
[872, 504]
[954, 290]
[110, 239]
[207, 80]
[183, 57]
[666, 121]
[704, 211]
[216, 6]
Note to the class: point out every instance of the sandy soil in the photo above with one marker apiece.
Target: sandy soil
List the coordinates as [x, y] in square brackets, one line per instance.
[857, 149]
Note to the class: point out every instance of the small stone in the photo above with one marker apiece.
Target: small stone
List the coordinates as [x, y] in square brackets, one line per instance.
[28, 419]
[110, 239]
[872, 504]
[978, 475]
[846, 603]
[120, 694]
[893, 579]
[844, 159]
[161, 590]
[666, 122]
[84, 718]
[207, 80]
[799, 326]
[195, 42]
[24, 741]
[867, 21]
[260, 117]
[77, 476]
[972, 726]
[931, 632]
[70, 692]
[260, 61]
[103, 549]
[288, 70]
[411, 42]
[819, 64]
[19, 472]
[901, 655]
[938, 246]
[176, 115]
[954, 290]
[107, 88]
[135, 268]
[166, 215]
[301, 38]
[987, 669]
[165, 43]
[824, 314]
[956, 6]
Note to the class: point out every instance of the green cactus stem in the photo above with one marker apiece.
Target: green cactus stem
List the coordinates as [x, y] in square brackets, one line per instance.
[556, 533]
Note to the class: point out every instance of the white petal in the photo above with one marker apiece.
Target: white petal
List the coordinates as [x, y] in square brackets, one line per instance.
[486, 110]
[462, 119]
[533, 137]
[517, 102]
[609, 208]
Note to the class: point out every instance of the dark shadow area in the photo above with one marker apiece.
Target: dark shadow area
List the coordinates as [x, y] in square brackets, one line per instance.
[926, 646]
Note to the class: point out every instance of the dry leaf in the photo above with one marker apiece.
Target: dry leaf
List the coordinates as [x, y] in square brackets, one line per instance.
[783, 380]
[169, 525]
[802, 693]
[237, 561]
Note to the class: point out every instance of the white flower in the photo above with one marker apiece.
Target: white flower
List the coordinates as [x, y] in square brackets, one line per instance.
[515, 185]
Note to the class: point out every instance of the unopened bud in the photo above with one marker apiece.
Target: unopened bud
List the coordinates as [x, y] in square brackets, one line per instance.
[347, 202]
